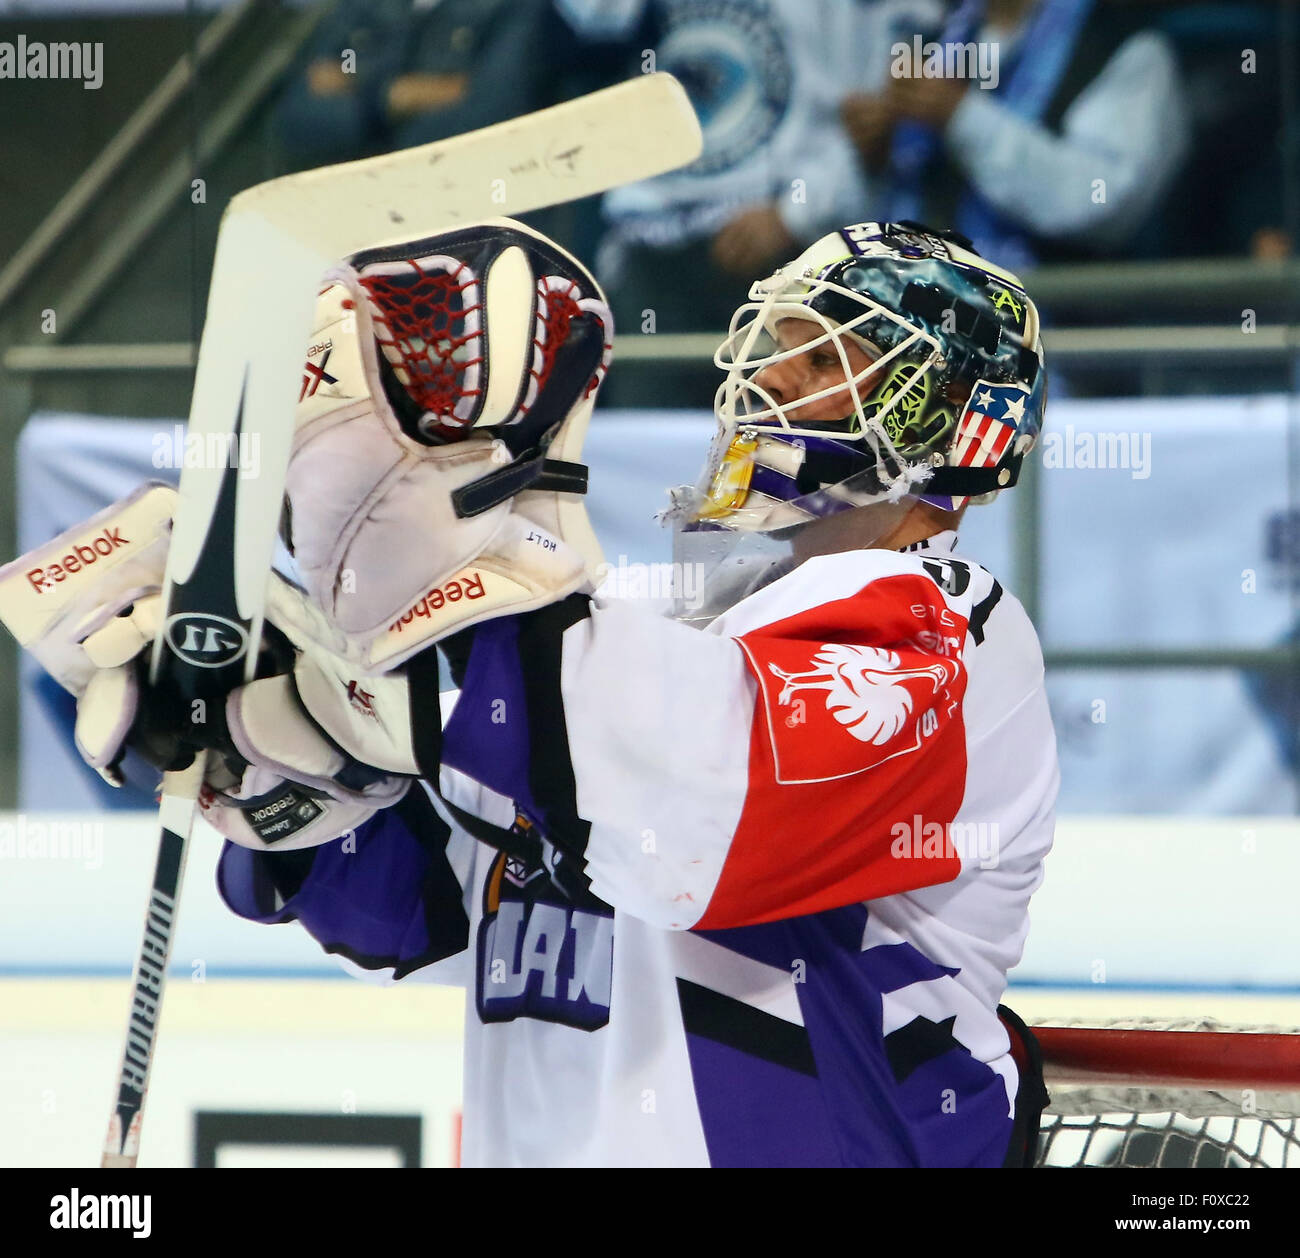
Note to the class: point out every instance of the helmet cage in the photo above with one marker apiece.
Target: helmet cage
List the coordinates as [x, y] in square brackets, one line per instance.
[741, 401]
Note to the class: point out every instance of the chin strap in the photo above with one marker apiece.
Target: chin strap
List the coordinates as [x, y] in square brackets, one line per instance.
[829, 467]
[971, 482]
[821, 468]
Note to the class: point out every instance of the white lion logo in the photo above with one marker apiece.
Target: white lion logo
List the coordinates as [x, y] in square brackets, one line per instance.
[863, 690]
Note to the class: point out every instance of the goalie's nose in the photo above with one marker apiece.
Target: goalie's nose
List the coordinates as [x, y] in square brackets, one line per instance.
[783, 380]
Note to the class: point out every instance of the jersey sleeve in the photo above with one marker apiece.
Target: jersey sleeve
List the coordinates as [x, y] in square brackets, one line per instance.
[389, 898]
[806, 752]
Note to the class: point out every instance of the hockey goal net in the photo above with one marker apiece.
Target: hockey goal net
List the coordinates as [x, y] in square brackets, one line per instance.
[1170, 1093]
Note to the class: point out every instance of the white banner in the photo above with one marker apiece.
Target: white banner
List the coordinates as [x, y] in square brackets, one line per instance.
[1164, 523]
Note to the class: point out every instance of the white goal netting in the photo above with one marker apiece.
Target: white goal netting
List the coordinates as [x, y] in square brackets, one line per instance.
[1170, 1093]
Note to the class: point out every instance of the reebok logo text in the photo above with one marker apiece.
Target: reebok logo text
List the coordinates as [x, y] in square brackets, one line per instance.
[436, 599]
[80, 556]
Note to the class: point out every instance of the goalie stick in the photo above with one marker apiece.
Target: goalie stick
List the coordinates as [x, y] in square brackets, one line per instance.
[275, 242]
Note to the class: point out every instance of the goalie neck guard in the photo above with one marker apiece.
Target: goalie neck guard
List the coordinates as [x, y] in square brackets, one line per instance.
[947, 403]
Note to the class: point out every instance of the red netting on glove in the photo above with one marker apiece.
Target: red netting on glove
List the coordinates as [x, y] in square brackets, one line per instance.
[561, 307]
[428, 322]
[557, 307]
[427, 316]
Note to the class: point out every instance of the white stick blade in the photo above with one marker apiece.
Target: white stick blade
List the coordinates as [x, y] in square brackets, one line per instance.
[623, 134]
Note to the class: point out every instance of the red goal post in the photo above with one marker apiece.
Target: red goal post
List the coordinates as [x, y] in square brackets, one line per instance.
[1170, 1092]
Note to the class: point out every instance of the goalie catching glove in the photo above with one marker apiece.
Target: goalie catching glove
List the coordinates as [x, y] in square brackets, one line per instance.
[434, 482]
[87, 605]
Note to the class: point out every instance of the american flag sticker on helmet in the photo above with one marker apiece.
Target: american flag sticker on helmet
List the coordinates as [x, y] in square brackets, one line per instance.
[989, 425]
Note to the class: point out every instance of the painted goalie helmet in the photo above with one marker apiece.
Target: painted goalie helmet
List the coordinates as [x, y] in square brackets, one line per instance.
[936, 391]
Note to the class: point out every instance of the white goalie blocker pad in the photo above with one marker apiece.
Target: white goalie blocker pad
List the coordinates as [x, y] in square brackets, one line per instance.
[64, 600]
[87, 603]
[434, 480]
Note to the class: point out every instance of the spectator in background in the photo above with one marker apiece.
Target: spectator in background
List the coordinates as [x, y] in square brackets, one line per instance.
[1234, 61]
[1069, 154]
[778, 170]
[420, 70]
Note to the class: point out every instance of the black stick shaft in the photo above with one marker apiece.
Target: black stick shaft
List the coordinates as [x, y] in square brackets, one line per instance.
[122, 1147]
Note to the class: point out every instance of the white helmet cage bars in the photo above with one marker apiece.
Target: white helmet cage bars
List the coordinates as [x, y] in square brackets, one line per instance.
[742, 400]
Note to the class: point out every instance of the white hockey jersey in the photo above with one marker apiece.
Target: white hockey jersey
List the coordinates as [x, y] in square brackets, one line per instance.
[765, 880]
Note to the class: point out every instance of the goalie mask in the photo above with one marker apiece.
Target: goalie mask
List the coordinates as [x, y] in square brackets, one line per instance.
[448, 383]
[936, 392]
